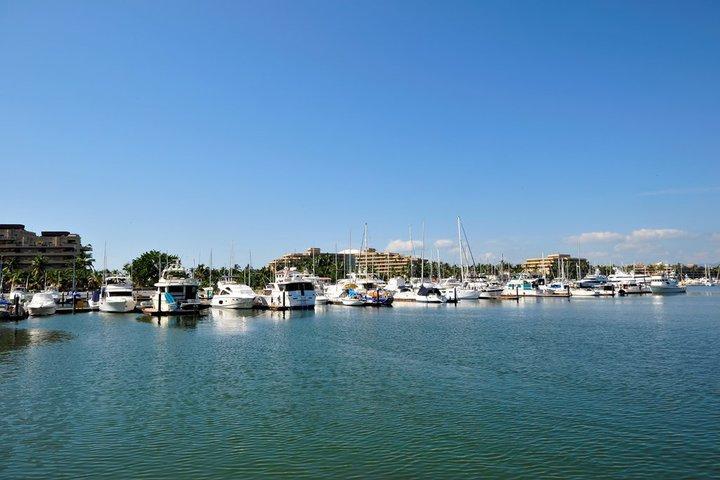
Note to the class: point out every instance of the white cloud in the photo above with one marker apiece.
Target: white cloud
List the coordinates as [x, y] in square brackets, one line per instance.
[444, 243]
[596, 237]
[715, 236]
[403, 245]
[644, 234]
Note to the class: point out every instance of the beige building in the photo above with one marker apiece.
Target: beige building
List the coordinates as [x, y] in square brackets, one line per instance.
[542, 266]
[370, 260]
[58, 247]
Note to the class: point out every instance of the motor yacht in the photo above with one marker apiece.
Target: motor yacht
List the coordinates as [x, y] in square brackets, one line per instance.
[232, 294]
[177, 290]
[490, 290]
[583, 292]
[458, 290]
[556, 288]
[665, 284]
[116, 295]
[523, 287]
[42, 304]
[428, 293]
[401, 291]
[593, 279]
[289, 291]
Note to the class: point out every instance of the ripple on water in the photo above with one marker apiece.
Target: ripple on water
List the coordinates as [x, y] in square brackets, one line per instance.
[619, 388]
[20, 338]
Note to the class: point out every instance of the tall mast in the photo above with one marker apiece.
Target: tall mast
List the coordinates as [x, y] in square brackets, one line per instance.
[460, 244]
[211, 266]
[438, 259]
[412, 251]
[105, 263]
[422, 255]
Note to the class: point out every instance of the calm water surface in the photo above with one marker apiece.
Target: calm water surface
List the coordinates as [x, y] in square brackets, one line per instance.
[615, 387]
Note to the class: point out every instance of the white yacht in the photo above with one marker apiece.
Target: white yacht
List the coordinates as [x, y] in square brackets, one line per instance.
[665, 284]
[490, 290]
[523, 287]
[117, 295]
[176, 290]
[584, 292]
[458, 289]
[42, 304]
[360, 283]
[629, 283]
[428, 293]
[232, 294]
[20, 292]
[556, 288]
[401, 291]
[289, 291]
[593, 280]
[319, 283]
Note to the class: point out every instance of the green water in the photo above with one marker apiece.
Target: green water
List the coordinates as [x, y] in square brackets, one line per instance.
[626, 387]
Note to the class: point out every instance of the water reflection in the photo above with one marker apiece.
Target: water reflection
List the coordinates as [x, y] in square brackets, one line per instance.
[19, 338]
[181, 321]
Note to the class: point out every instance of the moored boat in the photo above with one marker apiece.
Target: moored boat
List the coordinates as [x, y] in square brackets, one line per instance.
[42, 304]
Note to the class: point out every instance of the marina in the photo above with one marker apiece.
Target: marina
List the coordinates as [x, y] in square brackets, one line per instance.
[474, 388]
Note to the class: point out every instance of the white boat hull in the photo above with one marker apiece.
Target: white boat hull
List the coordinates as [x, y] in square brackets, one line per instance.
[222, 301]
[490, 294]
[430, 299]
[584, 293]
[42, 310]
[666, 290]
[321, 300]
[353, 302]
[117, 306]
[404, 297]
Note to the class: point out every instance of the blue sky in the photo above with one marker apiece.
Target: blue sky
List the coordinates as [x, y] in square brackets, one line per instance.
[278, 125]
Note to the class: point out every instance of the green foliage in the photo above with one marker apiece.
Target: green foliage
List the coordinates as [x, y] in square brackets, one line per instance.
[145, 269]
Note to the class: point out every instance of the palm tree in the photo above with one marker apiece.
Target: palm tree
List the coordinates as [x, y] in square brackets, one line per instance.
[38, 266]
[83, 261]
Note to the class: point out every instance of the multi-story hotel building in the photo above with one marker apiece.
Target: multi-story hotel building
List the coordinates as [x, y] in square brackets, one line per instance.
[58, 247]
[370, 260]
[542, 266]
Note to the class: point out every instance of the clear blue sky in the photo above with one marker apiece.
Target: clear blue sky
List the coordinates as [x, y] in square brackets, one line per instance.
[277, 125]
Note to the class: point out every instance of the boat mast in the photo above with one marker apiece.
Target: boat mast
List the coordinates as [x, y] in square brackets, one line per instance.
[422, 255]
[211, 265]
[105, 263]
[412, 251]
[438, 259]
[460, 244]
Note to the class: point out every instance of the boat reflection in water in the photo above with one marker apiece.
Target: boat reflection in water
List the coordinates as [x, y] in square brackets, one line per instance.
[19, 338]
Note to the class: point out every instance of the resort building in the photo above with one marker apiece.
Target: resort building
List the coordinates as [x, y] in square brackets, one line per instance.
[370, 260]
[21, 246]
[543, 266]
